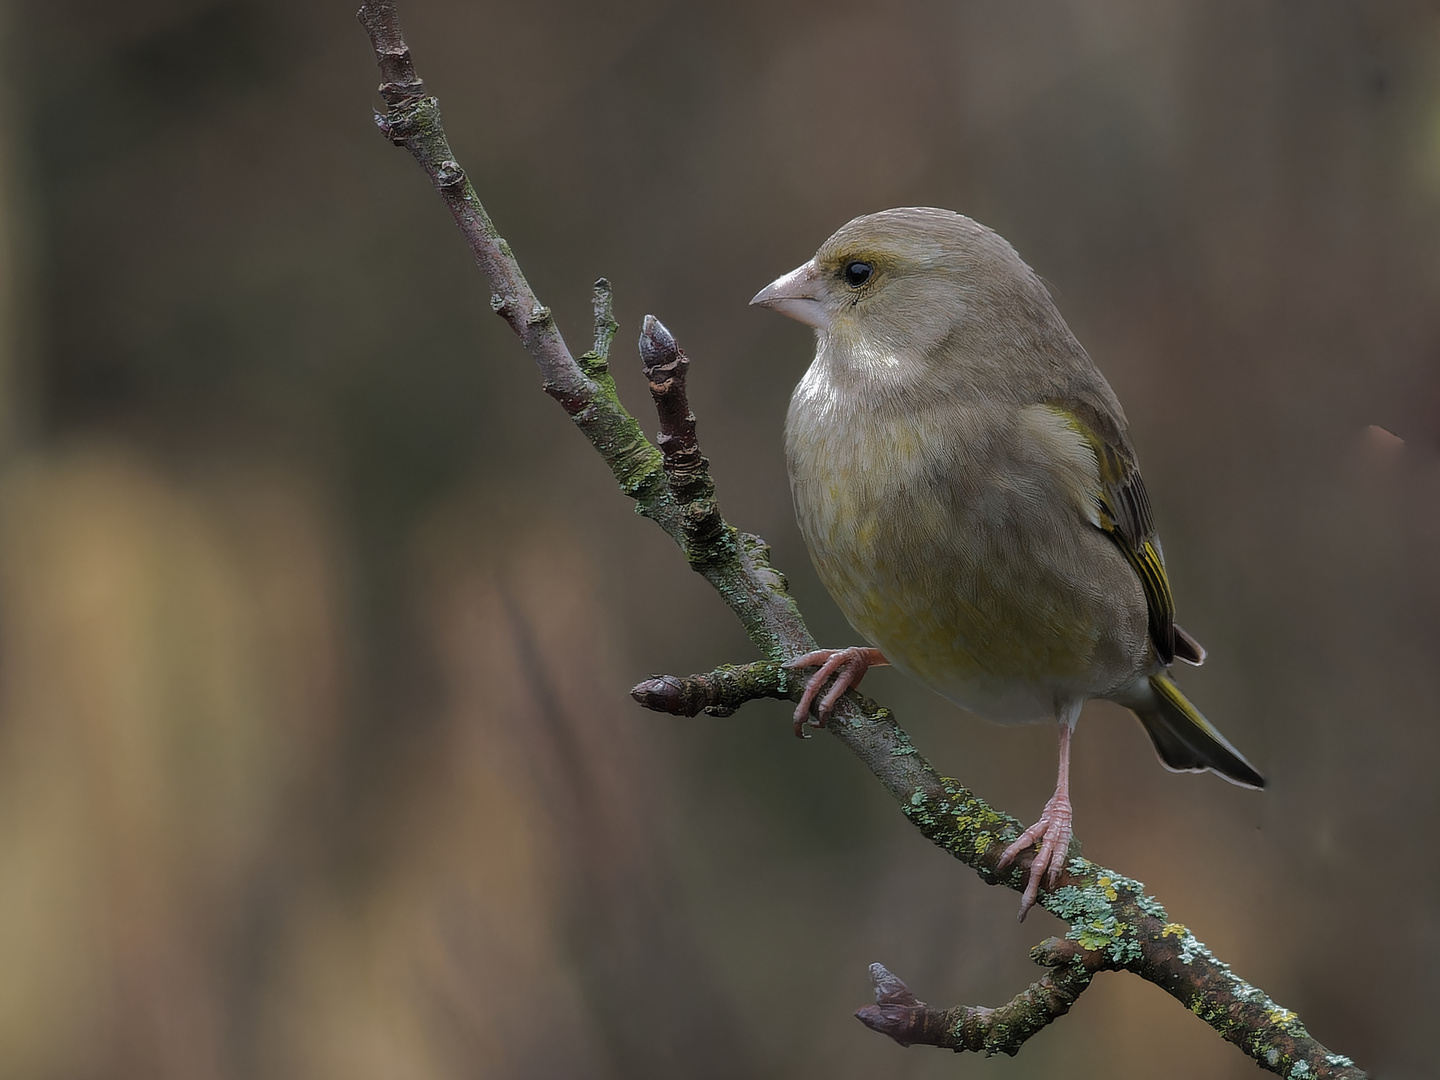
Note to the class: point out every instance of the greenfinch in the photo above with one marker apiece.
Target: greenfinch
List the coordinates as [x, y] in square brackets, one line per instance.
[968, 492]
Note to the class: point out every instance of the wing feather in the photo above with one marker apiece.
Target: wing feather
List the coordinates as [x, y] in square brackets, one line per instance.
[1123, 512]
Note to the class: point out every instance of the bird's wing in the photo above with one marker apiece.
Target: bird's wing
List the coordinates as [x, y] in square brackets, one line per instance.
[1123, 514]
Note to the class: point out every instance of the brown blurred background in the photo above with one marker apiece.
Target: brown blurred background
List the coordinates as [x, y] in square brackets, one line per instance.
[317, 621]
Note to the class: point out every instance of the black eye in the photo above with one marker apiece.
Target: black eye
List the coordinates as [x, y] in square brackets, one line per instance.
[857, 273]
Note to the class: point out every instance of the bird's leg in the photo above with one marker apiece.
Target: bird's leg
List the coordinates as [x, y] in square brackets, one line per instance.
[851, 664]
[1053, 830]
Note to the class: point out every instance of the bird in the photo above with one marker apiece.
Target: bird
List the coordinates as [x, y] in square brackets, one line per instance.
[965, 483]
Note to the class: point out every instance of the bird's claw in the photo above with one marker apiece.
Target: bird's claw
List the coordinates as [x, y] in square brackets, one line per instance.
[1053, 831]
[847, 665]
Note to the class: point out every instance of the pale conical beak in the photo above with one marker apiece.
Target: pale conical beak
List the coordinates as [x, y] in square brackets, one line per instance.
[797, 294]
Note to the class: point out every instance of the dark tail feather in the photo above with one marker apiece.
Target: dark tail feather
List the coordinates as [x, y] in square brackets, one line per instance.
[1187, 742]
[1187, 648]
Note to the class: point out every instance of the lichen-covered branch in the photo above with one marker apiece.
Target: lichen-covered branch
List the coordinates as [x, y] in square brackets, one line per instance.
[719, 692]
[1113, 924]
[909, 1021]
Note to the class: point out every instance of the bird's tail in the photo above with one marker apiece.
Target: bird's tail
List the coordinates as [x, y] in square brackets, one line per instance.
[1185, 740]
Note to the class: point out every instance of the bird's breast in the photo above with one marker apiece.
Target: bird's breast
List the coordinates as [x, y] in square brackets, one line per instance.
[947, 544]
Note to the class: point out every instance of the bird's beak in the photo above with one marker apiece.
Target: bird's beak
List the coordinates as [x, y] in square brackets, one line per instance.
[797, 294]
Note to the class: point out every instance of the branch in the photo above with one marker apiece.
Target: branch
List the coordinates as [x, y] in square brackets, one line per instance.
[1113, 924]
[587, 393]
[720, 692]
[908, 1020]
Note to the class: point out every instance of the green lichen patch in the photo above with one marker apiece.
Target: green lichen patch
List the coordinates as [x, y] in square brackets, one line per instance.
[594, 365]
[958, 821]
[1097, 935]
[1150, 906]
[633, 459]
[1096, 921]
[1193, 949]
[1077, 903]
[901, 746]
[1117, 887]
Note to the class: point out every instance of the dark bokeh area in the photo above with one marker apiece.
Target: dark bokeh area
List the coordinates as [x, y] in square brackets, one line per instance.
[317, 620]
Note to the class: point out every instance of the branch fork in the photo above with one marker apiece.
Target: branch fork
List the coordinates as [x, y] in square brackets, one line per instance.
[905, 1018]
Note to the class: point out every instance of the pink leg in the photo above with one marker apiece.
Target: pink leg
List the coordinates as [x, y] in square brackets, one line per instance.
[851, 663]
[1053, 830]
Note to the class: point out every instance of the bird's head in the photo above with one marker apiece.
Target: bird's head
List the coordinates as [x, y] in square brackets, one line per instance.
[904, 279]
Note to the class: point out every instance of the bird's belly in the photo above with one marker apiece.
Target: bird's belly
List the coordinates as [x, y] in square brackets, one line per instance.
[1009, 659]
[1005, 603]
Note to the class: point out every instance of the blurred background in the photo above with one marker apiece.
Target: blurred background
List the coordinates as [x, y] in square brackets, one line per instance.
[317, 621]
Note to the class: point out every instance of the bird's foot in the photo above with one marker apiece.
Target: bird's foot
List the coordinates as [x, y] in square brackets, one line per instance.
[847, 665]
[1054, 831]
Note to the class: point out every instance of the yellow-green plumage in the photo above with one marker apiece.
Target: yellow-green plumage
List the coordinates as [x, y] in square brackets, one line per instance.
[965, 484]
[930, 550]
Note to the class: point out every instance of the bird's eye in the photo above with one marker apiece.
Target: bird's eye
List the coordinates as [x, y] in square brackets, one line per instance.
[857, 273]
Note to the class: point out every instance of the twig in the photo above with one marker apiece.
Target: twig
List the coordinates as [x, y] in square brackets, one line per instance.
[908, 1020]
[686, 469]
[1113, 924]
[720, 692]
